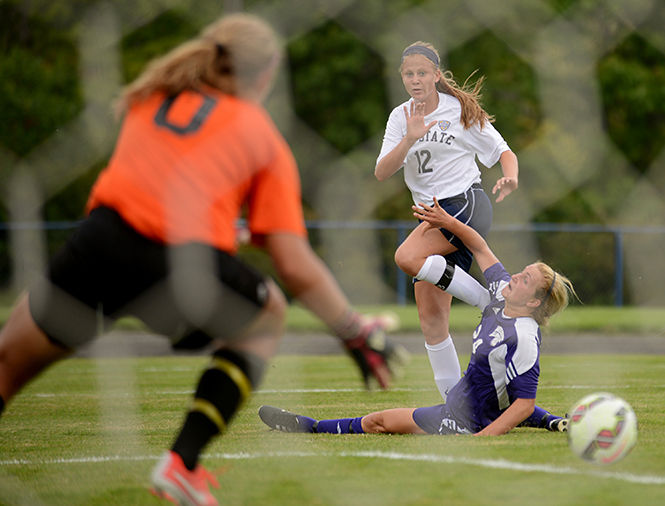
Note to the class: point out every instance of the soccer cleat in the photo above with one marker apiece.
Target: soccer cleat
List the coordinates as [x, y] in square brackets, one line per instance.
[558, 425]
[280, 419]
[375, 355]
[172, 481]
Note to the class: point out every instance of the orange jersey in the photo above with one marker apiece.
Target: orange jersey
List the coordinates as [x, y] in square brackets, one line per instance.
[185, 167]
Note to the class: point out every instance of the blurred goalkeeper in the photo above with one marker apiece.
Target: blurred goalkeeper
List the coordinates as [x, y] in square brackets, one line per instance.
[196, 152]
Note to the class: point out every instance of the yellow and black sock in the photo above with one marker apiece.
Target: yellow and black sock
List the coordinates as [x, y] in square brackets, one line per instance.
[223, 387]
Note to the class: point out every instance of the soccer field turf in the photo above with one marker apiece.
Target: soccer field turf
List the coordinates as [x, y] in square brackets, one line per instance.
[89, 431]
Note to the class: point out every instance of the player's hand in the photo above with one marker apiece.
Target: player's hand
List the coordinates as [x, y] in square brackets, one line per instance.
[505, 186]
[434, 215]
[375, 355]
[415, 121]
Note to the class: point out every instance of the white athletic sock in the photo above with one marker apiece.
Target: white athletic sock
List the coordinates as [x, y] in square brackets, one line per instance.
[445, 365]
[465, 287]
[432, 269]
[462, 285]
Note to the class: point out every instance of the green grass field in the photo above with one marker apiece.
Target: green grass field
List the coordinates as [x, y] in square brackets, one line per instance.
[89, 431]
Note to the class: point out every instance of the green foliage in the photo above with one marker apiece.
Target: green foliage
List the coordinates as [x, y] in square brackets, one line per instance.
[154, 39]
[569, 209]
[510, 92]
[562, 6]
[585, 260]
[338, 86]
[5, 259]
[39, 86]
[632, 83]
[69, 203]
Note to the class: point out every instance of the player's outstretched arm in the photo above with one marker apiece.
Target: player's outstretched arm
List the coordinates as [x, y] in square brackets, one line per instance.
[516, 413]
[437, 217]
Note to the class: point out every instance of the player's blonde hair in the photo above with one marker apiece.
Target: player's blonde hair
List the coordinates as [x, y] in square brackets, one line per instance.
[468, 94]
[554, 294]
[229, 54]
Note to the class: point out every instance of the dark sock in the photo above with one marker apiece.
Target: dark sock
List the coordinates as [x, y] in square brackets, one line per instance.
[540, 418]
[308, 424]
[223, 387]
[340, 426]
[195, 434]
[2, 405]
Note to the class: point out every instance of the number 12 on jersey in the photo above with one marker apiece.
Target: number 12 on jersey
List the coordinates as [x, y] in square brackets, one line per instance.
[423, 156]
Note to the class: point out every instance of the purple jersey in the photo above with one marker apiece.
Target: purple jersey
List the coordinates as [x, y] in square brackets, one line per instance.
[504, 362]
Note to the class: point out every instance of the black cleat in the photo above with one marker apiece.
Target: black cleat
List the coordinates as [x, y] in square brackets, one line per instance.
[558, 425]
[285, 421]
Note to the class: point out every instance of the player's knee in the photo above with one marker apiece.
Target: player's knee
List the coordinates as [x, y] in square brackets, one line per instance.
[374, 423]
[407, 262]
[276, 303]
[263, 335]
[400, 257]
[289, 272]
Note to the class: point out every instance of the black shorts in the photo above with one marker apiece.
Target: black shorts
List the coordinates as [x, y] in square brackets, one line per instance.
[473, 208]
[191, 293]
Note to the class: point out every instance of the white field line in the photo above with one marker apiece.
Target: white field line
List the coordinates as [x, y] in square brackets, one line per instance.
[436, 459]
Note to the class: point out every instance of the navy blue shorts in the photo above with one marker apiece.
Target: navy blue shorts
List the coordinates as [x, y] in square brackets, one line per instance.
[473, 208]
[438, 420]
[107, 270]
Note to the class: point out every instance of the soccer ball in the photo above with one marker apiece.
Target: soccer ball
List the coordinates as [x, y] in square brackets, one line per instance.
[602, 428]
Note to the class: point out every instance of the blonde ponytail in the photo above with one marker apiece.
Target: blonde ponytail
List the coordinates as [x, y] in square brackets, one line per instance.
[469, 97]
[229, 54]
[554, 294]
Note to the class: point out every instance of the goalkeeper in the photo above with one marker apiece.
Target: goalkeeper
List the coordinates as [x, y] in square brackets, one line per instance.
[195, 151]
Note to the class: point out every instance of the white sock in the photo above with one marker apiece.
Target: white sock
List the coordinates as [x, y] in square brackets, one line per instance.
[445, 365]
[432, 269]
[465, 287]
[462, 285]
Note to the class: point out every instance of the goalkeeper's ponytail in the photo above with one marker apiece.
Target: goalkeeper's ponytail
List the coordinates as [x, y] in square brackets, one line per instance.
[229, 54]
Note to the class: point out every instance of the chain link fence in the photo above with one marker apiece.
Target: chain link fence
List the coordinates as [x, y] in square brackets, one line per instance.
[571, 145]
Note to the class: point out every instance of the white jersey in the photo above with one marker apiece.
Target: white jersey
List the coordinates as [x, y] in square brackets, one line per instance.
[443, 163]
